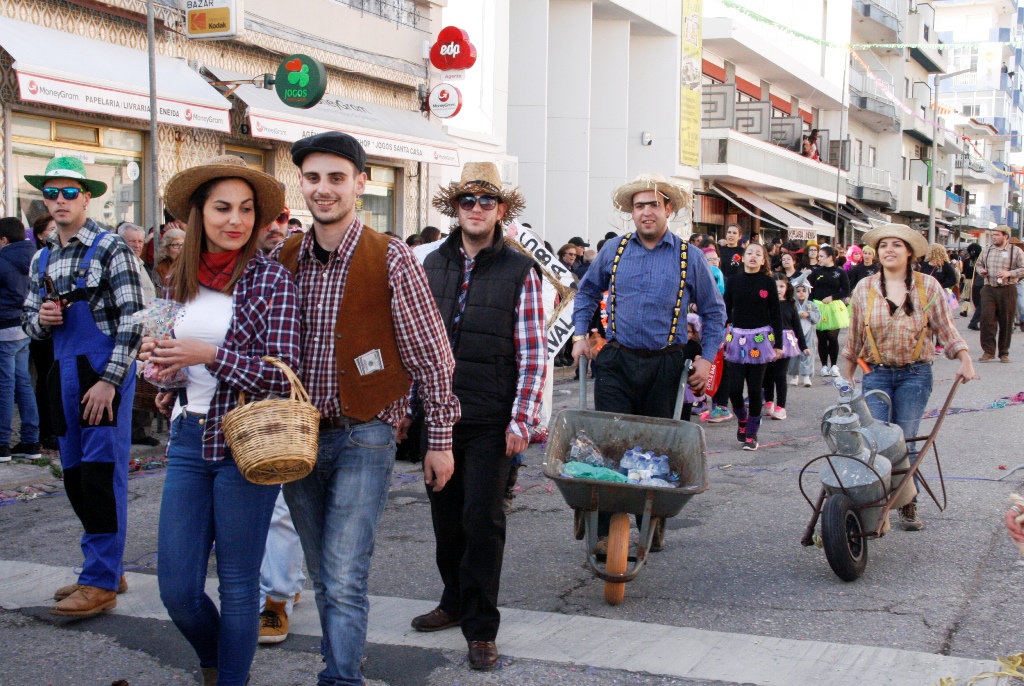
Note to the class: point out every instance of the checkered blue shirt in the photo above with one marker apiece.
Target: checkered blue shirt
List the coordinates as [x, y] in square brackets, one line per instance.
[114, 276]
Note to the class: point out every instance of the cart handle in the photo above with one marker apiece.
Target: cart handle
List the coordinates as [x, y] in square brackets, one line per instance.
[583, 369]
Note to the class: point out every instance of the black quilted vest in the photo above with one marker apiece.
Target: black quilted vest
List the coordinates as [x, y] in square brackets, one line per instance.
[486, 373]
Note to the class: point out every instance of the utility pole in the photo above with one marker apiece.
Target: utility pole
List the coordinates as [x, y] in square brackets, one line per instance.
[152, 182]
[935, 148]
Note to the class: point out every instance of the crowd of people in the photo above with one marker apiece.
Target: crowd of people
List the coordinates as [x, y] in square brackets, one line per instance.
[438, 341]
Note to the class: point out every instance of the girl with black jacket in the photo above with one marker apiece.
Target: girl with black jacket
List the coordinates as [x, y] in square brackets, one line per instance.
[754, 338]
[830, 286]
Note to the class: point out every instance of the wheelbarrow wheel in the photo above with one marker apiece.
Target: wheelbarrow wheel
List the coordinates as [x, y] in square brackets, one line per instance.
[618, 557]
[846, 552]
[579, 524]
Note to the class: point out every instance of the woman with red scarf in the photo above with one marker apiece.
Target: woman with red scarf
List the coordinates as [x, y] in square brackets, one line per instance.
[238, 307]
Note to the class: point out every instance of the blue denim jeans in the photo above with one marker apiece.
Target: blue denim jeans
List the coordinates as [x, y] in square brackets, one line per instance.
[205, 503]
[336, 510]
[909, 388]
[16, 388]
[281, 575]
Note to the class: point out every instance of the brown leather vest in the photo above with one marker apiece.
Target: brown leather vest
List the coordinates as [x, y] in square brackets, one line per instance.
[364, 324]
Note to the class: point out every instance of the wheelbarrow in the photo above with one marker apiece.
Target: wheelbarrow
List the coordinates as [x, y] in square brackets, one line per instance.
[858, 492]
[614, 434]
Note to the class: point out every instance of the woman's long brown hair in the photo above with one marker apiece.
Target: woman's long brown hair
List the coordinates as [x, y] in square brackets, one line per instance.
[184, 275]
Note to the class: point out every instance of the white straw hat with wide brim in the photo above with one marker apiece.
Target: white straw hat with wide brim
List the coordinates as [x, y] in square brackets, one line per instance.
[917, 243]
[622, 198]
[269, 192]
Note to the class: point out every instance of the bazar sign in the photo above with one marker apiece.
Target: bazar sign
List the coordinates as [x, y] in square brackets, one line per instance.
[375, 144]
[79, 96]
[213, 18]
[559, 331]
[301, 81]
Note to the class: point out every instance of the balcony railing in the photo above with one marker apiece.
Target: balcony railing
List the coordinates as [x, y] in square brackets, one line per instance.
[861, 175]
[981, 212]
[404, 12]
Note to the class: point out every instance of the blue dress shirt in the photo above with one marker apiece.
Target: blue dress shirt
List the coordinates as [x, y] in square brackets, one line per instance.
[646, 288]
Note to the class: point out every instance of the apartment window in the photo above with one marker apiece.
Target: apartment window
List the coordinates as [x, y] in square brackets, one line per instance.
[904, 166]
[858, 151]
[906, 87]
[970, 110]
[872, 151]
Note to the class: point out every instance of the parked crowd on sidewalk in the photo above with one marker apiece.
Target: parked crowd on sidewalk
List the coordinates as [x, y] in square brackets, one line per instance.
[449, 357]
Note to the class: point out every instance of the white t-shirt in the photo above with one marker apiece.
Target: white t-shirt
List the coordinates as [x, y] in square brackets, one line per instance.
[422, 251]
[207, 319]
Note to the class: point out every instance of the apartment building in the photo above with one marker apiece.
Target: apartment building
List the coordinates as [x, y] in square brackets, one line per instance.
[988, 100]
[764, 91]
[74, 80]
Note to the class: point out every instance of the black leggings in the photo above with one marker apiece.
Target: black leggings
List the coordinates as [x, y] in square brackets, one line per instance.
[752, 375]
[828, 346]
[775, 381]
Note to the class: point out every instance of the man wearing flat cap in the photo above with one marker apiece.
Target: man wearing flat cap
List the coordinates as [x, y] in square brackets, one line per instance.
[651, 277]
[85, 285]
[1001, 266]
[369, 329]
[490, 300]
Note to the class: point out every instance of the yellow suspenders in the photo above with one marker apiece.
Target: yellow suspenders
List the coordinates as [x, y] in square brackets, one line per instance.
[922, 296]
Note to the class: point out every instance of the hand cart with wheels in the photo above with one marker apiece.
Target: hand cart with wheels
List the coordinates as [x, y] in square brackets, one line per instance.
[847, 521]
[614, 434]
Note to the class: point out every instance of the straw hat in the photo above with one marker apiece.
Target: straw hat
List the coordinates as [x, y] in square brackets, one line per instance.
[622, 198]
[67, 168]
[918, 244]
[269, 191]
[479, 177]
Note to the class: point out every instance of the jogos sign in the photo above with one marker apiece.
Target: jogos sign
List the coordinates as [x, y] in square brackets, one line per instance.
[301, 81]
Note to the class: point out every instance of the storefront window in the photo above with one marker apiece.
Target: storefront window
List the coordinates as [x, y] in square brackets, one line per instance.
[254, 159]
[376, 206]
[36, 141]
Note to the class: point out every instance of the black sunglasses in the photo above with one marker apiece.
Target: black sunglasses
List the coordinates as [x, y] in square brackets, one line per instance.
[468, 202]
[69, 193]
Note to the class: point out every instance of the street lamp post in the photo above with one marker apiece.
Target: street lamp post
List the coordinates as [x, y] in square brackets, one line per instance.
[935, 148]
[152, 188]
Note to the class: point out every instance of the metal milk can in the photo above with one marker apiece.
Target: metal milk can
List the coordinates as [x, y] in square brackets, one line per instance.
[856, 454]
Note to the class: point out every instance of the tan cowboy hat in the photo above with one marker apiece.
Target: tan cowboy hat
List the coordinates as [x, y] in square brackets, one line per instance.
[622, 198]
[479, 177]
[269, 191]
[917, 243]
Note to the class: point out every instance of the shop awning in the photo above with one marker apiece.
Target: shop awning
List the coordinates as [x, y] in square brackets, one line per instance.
[820, 226]
[871, 215]
[382, 131]
[771, 213]
[844, 214]
[68, 70]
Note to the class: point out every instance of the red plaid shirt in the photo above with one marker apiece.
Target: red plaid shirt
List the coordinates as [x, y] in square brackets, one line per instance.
[264, 321]
[419, 332]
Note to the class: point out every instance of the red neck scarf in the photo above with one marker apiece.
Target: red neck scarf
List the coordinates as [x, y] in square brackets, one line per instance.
[215, 269]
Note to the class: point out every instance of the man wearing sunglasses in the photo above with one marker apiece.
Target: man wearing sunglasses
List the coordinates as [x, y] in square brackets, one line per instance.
[85, 285]
[489, 296]
[275, 233]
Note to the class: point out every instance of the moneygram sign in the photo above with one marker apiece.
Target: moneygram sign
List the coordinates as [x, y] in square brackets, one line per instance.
[206, 19]
[301, 81]
[119, 103]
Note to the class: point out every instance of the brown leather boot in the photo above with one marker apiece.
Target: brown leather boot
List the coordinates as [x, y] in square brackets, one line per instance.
[435, 620]
[64, 591]
[209, 676]
[86, 601]
[483, 655]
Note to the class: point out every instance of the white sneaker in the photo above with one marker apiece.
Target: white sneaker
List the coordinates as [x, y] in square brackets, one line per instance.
[835, 370]
[825, 371]
[794, 381]
[806, 381]
[769, 409]
[780, 413]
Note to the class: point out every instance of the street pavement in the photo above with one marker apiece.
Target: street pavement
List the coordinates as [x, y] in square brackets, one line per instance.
[733, 599]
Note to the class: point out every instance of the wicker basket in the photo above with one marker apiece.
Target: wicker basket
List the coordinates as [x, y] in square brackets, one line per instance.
[145, 395]
[274, 441]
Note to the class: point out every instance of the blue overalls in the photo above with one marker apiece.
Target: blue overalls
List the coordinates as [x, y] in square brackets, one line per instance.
[94, 458]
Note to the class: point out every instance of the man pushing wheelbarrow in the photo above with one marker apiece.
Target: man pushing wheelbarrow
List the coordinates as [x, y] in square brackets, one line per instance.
[651, 279]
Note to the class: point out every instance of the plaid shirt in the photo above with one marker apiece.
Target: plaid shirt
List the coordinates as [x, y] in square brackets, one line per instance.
[896, 335]
[264, 321]
[531, 348]
[419, 332]
[117, 295]
[994, 260]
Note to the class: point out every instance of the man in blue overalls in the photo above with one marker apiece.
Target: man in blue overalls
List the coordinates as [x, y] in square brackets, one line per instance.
[85, 287]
